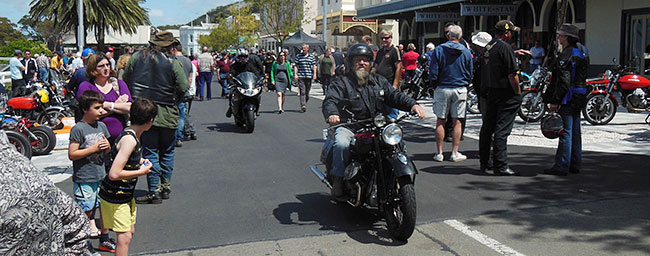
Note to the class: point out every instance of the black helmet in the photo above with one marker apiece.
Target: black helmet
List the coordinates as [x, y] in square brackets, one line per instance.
[358, 50]
[552, 126]
[423, 59]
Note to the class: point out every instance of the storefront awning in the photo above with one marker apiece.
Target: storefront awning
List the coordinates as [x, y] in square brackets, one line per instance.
[388, 10]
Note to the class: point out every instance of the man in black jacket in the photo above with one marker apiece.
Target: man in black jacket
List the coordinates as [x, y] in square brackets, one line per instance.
[364, 95]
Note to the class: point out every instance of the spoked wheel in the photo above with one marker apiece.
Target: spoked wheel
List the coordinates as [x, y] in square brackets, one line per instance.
[45, 142]
[250, 121]
[600, 109]
[20, 142]
[532, 108]
[53, 119]
[472, 101]
[400, 210]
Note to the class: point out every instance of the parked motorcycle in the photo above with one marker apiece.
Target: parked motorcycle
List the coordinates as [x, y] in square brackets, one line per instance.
[601, 102]
[20, 142]
[418, 86]
[245, 98]
[379, 175]
[41, 138]
[532, 108]
[38, 107]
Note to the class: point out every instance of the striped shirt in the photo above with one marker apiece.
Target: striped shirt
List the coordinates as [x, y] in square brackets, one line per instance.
[305, 65]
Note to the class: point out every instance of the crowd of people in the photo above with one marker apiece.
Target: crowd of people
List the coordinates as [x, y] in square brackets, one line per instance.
[134, 111]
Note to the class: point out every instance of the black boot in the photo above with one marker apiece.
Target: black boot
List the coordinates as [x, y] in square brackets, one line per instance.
[229, 112]
[150, 198]
[337, 186]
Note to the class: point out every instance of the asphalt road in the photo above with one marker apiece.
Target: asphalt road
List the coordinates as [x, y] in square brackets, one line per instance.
[232, 188]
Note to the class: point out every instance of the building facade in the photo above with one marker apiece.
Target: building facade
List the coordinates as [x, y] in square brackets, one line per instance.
[189, 36]
[600, 21]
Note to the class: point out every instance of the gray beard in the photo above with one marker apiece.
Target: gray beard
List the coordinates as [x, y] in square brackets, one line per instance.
[362, 77]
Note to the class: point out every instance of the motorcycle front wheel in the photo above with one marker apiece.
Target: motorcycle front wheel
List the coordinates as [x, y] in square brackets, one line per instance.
[600, 109]
[532, 108]
[53, 118]
[45, 142]
[250, 121]
[20, 142]
[400, 211]
[472, 101]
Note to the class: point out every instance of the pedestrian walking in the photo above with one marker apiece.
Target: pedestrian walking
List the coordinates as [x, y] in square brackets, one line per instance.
[165, 87]
[281, 78]
[186, 63]
[567, 94]
[116, 192]
[269, 59]
[87, 149]
[16, 68]
[223, 70]
[451, 69]
[499, 75]
[43, 67]
[304, 74]
[410, 62]
[389, 63]
[205, 73]
[326, 69]
[537, 53]
[121, 64]
[116, 95]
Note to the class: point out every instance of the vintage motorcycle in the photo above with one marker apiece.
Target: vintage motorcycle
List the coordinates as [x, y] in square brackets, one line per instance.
[418, 86]
[532, 108]
[601, 102]
[20, 142]
[41, 138]
[38, 107]
[245, 98]
[379, 175]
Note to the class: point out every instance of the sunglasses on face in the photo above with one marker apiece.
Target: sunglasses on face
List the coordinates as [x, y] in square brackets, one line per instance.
[386, 37]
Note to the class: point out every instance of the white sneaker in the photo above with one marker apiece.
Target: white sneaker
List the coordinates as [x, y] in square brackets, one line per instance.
[458, 157]
[438, 157]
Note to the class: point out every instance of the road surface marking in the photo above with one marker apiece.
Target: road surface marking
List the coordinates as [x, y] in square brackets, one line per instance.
[481, 238]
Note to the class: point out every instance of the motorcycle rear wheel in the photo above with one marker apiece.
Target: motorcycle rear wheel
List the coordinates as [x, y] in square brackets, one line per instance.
[592, 112]
[400, 211]
[472, 101]
[250, 121]
[53, 118]
[45, 142]
[529, 112]
[20, 142]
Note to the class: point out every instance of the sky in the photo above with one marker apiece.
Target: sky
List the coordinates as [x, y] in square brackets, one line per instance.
[161, 12]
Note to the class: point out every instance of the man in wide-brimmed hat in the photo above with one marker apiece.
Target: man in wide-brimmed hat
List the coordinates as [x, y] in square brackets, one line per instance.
[567, 94]
[154, 73]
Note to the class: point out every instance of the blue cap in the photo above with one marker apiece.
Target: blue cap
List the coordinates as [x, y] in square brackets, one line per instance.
[87, 52]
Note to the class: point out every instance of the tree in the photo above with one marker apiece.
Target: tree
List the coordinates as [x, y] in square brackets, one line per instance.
[239, 30]
[280, 18]
[43, 31]
[120, 16]
[23, 44]
[8, 31]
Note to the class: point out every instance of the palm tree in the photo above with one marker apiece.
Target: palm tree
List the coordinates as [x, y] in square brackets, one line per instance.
[101, 15]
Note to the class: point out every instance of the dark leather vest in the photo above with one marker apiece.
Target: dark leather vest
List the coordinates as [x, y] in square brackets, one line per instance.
[153, 77]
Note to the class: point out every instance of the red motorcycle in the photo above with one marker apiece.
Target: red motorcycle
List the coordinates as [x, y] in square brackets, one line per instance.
[601, 102]
[42, 106]
[41, 138]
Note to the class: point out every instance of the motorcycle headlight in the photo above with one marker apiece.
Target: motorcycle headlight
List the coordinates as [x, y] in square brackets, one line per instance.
[379, 121]
[608, 74]
[392, 134]
[249, 92]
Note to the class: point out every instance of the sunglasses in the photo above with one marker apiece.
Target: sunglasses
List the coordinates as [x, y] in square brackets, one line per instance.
[107, 65]
[386, 37]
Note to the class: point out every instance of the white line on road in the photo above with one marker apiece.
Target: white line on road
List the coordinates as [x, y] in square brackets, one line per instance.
[481, 238]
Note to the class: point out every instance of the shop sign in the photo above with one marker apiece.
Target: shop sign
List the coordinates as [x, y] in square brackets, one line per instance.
[488, 10]
[436, 16]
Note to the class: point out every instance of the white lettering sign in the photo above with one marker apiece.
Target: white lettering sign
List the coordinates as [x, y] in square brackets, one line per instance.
[488, 10]
[436, 16]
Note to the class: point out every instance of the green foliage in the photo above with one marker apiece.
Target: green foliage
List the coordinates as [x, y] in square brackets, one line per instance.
[41, 30]
[168, 27]
[8, 31]
[240, 32]
[281, 17]
[23, 44]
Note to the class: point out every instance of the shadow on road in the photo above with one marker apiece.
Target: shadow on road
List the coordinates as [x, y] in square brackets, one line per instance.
[609, 179]
[362, 225]
[223, 127]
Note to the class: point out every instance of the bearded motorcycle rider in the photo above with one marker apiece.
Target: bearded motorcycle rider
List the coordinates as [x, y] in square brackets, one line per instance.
[362, 94]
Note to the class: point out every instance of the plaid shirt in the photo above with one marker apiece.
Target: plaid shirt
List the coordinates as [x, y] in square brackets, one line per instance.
[305, 65]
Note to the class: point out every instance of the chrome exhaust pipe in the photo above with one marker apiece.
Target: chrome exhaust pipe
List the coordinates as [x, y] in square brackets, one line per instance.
[320, 176]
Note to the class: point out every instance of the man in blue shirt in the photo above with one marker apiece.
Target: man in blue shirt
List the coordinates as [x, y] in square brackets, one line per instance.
[16, 68]
[451, 69]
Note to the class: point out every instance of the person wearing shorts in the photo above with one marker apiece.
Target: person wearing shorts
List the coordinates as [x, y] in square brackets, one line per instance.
[451, 70]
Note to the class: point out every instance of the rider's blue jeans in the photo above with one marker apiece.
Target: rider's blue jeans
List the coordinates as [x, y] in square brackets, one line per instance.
[341, 150]
[569, 149]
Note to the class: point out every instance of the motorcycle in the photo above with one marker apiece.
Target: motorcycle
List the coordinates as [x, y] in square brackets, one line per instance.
[601, 102]
[38, 107]
[41, 138]
[20, 142]
[245, 98]
[532, 108]
[418, 86]
[379, 175]
[472, 100]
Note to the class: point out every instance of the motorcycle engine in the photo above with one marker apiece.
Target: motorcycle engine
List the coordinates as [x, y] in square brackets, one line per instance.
[638, 99]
